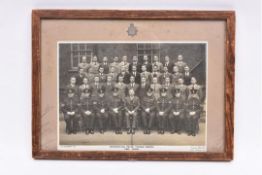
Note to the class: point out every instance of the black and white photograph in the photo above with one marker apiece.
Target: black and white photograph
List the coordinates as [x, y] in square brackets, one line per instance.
[132, 95]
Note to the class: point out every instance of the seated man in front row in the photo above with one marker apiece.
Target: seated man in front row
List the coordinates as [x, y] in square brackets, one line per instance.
[87, 110]
[132, 105]
[116, 110]
[176, 116]
[163, 109]
[70, 111]
[101, 106]
[193, 114]
[148, 105]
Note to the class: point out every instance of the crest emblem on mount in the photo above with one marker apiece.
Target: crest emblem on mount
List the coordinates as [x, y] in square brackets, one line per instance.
[132, 30]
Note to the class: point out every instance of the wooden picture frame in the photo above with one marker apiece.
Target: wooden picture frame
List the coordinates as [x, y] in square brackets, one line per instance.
[227, 16]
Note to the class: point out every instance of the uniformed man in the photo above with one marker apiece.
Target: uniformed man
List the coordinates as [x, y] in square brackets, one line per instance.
[72, 85]
[79, 78]
[155, 73]
[180, 63]
[70, 110]
[146, 63]
[93, 66]
[176, 116]
[84, 86]
[108, 86]
[163, 109]
[143, 87]
[136, 64]
[113, 74]
[168, 86]
[145, 73]
[87, 110]
[165, 74]
[156, 87]
[116, 107]
[168, 64]
[105, 65]
[148, 105]
[132, 105]
[124, 63]
[187, 75]
[101, 106]
[196, 87]
[83, 64]
[176, 75]
[157, 63]
[135, 73]
[132, 85]
[101, 74]
[182, 87]
[121, 87]
[192, 114]
[95, 86]
[115, 65]
[124, 74]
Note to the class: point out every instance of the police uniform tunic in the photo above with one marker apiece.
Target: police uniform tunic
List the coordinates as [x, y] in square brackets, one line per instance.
[163, 105]
[176, 117]
[116, 106]
[102, 116]
[193, 115]
[70, 114]
[148, 105]
[88, 119]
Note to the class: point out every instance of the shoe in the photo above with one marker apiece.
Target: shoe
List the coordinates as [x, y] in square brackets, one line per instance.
[129, 131]
[133, 131]
[92, 131]
[102, 131]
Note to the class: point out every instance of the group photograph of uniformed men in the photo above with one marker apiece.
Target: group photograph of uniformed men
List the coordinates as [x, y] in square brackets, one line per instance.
[153, 92]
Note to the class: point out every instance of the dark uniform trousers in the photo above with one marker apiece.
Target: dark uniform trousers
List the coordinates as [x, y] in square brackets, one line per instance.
[131, 105]
[193, 115]
[71, 114]
[102, 117]
[88, 119]
[176, 117]
[116, 103]
[163, 105]
[148, 116]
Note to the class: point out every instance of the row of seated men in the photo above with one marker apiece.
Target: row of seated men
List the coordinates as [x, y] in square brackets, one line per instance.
[177, 104]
